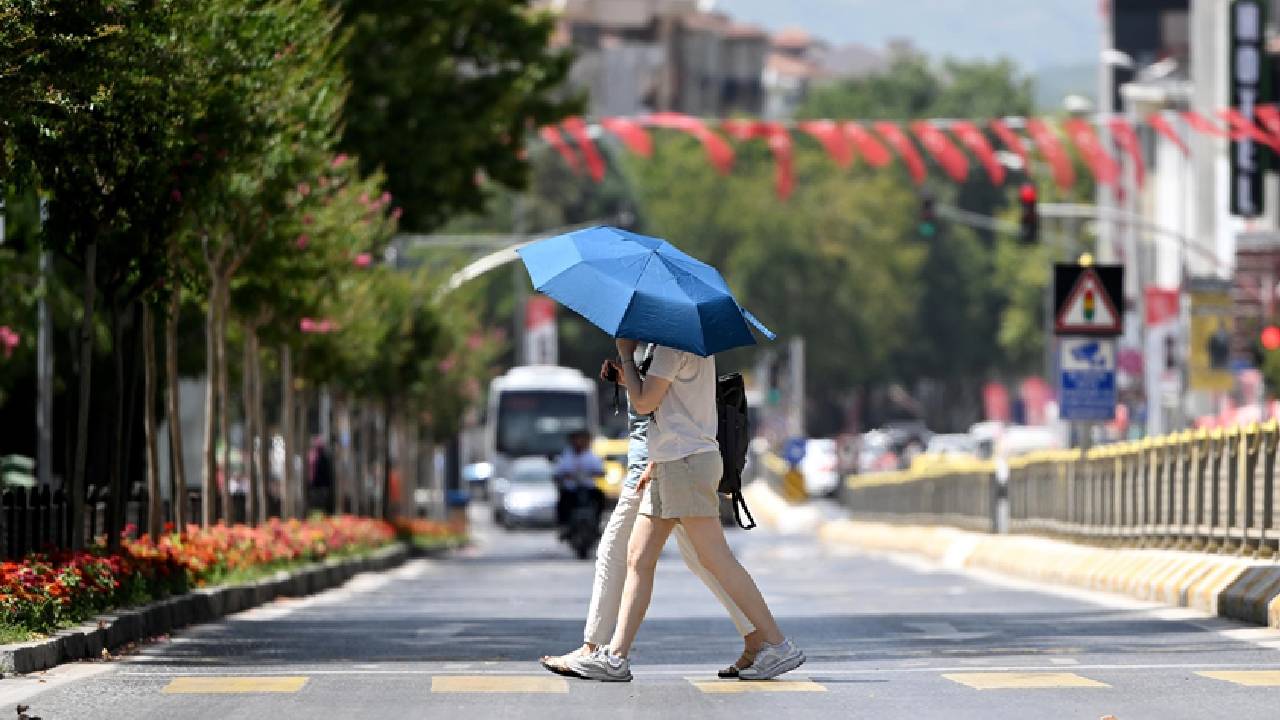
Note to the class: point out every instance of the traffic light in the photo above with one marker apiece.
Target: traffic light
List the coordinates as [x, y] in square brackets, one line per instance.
[928, 226]
[1030, 220]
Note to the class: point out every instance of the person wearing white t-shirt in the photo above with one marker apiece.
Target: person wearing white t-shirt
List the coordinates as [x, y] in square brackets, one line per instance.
[680, 487]
[577, 467]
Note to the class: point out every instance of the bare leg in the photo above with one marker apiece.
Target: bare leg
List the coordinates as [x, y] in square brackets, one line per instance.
[647, 539]
[707, 537]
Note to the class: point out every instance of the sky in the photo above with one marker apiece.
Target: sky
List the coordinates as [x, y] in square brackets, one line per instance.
[1034, 33]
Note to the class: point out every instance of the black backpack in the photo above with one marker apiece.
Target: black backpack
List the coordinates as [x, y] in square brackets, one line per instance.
[733, 433]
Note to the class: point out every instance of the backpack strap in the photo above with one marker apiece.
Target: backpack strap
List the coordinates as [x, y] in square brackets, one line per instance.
[739, 507]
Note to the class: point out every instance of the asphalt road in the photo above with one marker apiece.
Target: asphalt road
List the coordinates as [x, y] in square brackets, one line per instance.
[458, 638]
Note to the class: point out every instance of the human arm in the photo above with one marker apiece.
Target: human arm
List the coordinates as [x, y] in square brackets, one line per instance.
[645, 395]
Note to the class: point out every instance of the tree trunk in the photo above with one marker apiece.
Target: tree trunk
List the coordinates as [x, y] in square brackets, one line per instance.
[388, 501]
[303, 443]
[82, 422]
[247, 451]
[177, 459]
[209, 476]
[224, 496]
[364, 453]
[115, 472]
[155, 505]
[128, 423]
[264, 445]
[287, 508]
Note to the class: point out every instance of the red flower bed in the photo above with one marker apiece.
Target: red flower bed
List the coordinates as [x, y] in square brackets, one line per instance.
[46, 591]
[432, 533]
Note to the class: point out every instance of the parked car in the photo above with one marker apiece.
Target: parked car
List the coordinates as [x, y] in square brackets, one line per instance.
[820, 467]
[528, 497]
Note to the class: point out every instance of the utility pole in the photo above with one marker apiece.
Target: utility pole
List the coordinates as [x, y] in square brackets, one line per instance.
[519, 285]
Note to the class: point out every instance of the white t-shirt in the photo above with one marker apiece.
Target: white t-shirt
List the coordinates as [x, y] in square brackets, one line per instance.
[685, 421]
[579, 467]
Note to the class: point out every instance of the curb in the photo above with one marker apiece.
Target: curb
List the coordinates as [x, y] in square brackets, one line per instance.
[201, 605]
[1222, 585]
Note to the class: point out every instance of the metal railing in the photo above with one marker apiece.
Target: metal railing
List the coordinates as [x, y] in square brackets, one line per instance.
[953, 492]
[1213, 491]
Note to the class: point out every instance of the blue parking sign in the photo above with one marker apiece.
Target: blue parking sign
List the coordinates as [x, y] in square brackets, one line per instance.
[1086, 378]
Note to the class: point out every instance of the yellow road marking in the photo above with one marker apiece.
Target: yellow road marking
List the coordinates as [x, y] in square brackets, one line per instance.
[498, 684]
[1022, 680]
[1250, 678]
[258, 684]
[743, 686]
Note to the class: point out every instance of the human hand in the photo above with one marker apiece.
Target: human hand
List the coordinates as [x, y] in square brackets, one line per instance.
[611, 371]
[645, 477]
[626, 348]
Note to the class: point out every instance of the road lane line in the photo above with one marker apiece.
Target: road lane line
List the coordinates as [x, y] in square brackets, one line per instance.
[227, 684]
[717, 687]
[1022, 680]
[1248, 678]
[498, 684]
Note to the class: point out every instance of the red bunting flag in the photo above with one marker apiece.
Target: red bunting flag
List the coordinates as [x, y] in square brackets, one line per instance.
[872, 151]
[718, 151]
[779, 141]
[1242, 127]
[1104, 167]
[1125, 136]
[1161, 124]
[1051, 149]
[1269, 117]
[1201, 124]
[552, 137]
[577, 130]
[1010, 140]
[832, 138]
[936, 142]
[971, 137]
[899, 141]
[635, 137]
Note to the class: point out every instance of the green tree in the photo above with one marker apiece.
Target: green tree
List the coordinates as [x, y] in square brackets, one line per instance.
[446, 91]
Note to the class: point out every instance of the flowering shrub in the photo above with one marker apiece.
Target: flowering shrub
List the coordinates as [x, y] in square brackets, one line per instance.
[48, 590]
[432, 533]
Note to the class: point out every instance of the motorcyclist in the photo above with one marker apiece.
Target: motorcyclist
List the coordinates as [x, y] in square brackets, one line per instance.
[577, 469]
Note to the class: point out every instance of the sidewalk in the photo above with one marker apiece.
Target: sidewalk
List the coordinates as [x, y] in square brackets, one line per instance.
[1231, 587]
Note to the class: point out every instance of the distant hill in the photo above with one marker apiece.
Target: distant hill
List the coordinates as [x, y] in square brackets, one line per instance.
[1052, 84]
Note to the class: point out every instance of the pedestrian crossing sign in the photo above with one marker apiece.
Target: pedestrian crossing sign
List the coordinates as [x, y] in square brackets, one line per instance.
[1087, 300]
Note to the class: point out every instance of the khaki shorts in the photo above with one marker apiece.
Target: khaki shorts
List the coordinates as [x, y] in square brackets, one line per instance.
[684, 488]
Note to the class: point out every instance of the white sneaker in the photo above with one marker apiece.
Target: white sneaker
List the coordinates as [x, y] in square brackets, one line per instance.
[772, 661]
[601, 665]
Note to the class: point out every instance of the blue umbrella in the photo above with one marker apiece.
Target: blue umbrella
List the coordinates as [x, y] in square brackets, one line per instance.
[640, 287]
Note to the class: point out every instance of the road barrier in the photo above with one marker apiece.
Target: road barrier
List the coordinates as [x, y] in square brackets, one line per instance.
[1195, 490]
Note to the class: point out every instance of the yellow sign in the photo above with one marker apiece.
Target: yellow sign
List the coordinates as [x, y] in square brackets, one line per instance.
[1209, 361]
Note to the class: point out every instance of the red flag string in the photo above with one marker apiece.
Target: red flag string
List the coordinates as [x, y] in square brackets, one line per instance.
[1242, 127]
[1010, 140]
[971, 137]
[902, 145]
[635, 137]
[577, 130]
[1104, 167]
[1125, 136]
[1269, 117]
[718, 151]
[1160, 124]
[833, 140]
[876, 154]
[1200, 124]
[1051, 149]
[936, 142]
[552, 137]
[779, 141]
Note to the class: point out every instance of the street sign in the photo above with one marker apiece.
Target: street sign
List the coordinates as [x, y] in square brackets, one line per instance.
[1088, 299]
[1248, 85]
[541, 344]
[793, 452]
[1086, 378]
[1209, 346]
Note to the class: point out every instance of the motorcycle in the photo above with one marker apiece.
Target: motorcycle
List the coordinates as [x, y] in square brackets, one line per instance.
[583, 529]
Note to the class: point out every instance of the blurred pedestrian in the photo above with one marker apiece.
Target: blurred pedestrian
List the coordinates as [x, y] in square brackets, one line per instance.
[611, 554]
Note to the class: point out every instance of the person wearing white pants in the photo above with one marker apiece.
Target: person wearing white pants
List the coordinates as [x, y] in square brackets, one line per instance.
[611, 562]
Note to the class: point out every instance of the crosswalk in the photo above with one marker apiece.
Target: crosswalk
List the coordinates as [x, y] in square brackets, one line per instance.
[546, 684]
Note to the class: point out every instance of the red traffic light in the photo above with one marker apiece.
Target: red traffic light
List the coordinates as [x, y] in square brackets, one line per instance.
[1027, 194]
[1271, 337]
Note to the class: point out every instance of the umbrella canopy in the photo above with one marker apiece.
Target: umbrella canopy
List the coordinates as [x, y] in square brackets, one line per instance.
[640, 287]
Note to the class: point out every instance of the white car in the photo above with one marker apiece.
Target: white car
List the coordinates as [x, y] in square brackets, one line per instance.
[821, 467]
[528, 497]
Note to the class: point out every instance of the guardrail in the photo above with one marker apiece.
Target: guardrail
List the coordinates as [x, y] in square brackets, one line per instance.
[1195, 490]
[956, 492]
